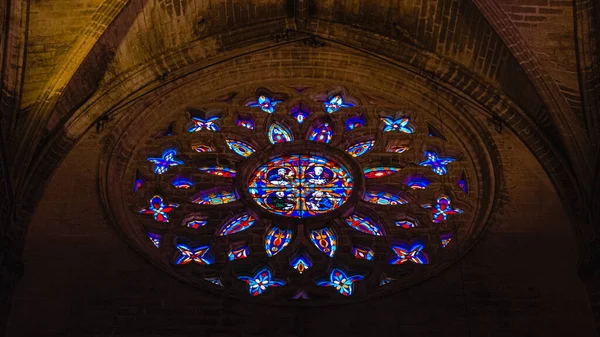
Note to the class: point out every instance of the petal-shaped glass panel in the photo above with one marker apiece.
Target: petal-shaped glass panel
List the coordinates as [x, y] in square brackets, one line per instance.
[278, 133]
[241, 148]
[363, 224]
[237, 224]
[360, 148]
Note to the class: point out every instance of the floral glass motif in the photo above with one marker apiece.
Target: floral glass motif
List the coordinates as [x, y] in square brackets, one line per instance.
[360, 148]
[245, 123]
[238, 253]
[343, 283]
[301, 262]
[208, 124]
[202, 148]
[195, 224]
[220, 171]
[278, 133]
[161, 165]
[237, 224]
[300, 186]
[158, 209]
[437, 164]
[265, 104]
[363, 253]
[383, 198]
[215, 280]
[154, 238]
[334, 103]
[261, 281]
[404, 253]
[442, 209]
[462, 183]
[241, 148]
[406, 224]
[363, 224]
[182, 183]
[322, 133]
[276, 240]
[300, 113]
[397, 149]
[445, 239]
[400, 125]
[355, 122]
[324, 240]
[197, 255]
[380, 171]
[216, 198]
[417, 183]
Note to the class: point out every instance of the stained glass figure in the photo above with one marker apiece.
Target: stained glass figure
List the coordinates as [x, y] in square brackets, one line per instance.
[400, 125]
[202, 148]
[404, 253]
[241, 148]
[158, 209]
[334, 103]
[322, 133]
[276, 240]
[301, 262]
[197, 255]
[397, 149]
[278, 133]
[195, 224]
[462, 182]
[237, 224]
[360, 148]
[324, 239]
[385, 280]
[363, 253]
[265, 104]
[406, 224]
[363, 224]
[208, 124]
[161, 165]
[220, 171]
[355, 122]
[245, 123]
[139, 181]
[182, 183]
[238, 253]
[446, 238]
[261, 281]
[380, 171]
[343, 283]
[154, 238]
[442, 209]
[300, 113]
[417, 183]
[300, 186]
[215, 198]
[438, 164]
[215, 280]
[383, 198]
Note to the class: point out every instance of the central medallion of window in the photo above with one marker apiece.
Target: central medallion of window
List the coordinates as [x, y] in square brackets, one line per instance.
[300, 186]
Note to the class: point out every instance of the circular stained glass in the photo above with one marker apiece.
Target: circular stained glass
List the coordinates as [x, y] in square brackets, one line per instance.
[300, 185]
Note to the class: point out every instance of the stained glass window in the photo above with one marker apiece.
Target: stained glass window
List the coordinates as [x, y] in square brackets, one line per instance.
[278, 133]
[363, 253]
[343, 283]
[197, 255]
[385, 280]
[355, 122]
[215, 280]
[276, 240]
[158, 209]
[383, 198]
[406, 224]
[417, 183]
[265, 104]
[154, 238]
[413, 253]
[220, 171]
[182, 183]
[445, 239]
[380, 171]
[462, 182]
[300, 113]
[215, 198]
[400, 125]
[397, 149]
[261, 281]
[202, 148]
[334, 103]
[241, 148]
[139, 181]
[360, 148]
[161, 165]
[195, 224]
[442, 209]
[363, 224]
[322, 133]
[245, 123]
[301, 262]
[324, 240]
[238, 253]
[300, 185]
[200, 124]
[237, 224]
[437, 164]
